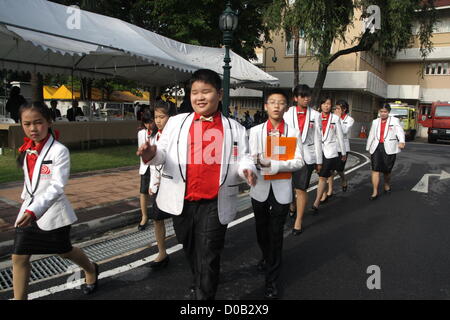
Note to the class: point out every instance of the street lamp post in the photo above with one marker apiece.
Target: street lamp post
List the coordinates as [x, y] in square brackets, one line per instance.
[228, 22]
[274, 58]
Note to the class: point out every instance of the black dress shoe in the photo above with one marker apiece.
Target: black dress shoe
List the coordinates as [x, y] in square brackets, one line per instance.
[261, 266]
[271, 292]
[158, 265]
[315, 209]
[372, 198]
[91, 288]
[388, 191]
[296, 232]
[142, 227]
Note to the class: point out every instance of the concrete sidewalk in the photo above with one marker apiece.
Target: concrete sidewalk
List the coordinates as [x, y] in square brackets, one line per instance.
[103, 200]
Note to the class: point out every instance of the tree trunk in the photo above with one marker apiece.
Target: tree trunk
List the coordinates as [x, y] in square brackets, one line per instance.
[37, 87]
[320, 80]
[296, 58]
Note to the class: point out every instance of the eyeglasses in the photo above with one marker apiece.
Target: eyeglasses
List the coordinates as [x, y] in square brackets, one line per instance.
[280, 103]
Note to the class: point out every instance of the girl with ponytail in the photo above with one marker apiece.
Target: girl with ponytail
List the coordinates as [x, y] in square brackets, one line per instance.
[45, 217]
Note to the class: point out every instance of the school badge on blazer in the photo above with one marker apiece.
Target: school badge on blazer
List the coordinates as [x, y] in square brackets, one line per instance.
[45, 170]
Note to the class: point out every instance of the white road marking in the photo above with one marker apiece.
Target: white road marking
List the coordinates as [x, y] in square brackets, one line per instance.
[422, 185]
[139, 263]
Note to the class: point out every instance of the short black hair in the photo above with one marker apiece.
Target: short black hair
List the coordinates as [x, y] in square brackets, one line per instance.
[323, 100]
[168, 107]
[302, 90]
[207, 76]
[344, 104]
[276, 91]
[147, 117]
[386, 106]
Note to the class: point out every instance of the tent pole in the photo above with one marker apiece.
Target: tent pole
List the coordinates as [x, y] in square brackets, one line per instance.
[72, 85]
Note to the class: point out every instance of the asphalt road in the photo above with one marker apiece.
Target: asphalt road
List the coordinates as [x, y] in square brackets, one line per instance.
[405, 235]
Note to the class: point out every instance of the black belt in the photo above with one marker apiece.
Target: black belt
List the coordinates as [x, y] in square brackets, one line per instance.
[201, 201]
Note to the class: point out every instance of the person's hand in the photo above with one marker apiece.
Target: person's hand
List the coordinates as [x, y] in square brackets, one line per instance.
[401, 145]
[250, 177]
[25, 220]
[147, 151]
[263, 162]
[344, 158]
[318, 167]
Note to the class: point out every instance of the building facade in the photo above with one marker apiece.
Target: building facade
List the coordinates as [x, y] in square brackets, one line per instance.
[364, 79]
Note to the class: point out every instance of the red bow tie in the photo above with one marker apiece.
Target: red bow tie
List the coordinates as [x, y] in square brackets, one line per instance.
[27, 144]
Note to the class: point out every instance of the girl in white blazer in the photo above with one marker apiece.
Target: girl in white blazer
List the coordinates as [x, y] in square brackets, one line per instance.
[330, 131]
[200, 217]
[271, 198]
[305, 119]
[162, 112]
[341, 110]
[386, 139]
[147, 132]
[45, 217]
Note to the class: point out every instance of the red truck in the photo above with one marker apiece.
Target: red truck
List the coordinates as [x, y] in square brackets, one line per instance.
[437, 119]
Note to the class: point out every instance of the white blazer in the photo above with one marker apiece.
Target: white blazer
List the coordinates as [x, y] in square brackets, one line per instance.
[155, 171]
[346, 125]
[172, 152]
[333, 138]
[282, 189]
[312, 147]
[393, 134]
[44, 196]
[142, 138]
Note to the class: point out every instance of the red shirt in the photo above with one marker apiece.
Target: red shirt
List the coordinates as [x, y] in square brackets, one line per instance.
[343, 116]
[205, 158]
[32, 158]
[158, 135]
[325, 119]
[301, 117]
[383, 128]
[280, 127]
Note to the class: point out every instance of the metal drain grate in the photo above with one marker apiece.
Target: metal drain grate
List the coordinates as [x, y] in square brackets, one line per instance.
[53, 266]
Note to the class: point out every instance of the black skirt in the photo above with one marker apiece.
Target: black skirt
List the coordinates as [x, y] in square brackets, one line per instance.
[301, 178]
[145, 182]
[155, 213]
[340, 164]
[381, 161]
[328, 166]
[32, 240]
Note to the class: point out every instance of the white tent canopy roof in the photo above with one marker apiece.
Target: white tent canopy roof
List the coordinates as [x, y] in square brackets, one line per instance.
[34, 36]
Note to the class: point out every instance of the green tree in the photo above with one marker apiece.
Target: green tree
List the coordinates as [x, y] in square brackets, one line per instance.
[324, 21]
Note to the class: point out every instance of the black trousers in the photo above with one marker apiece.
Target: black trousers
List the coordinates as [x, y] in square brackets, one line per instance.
[203, 236]
[270, 217]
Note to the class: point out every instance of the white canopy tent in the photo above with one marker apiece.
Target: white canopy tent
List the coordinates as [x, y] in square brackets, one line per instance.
[35, 37]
